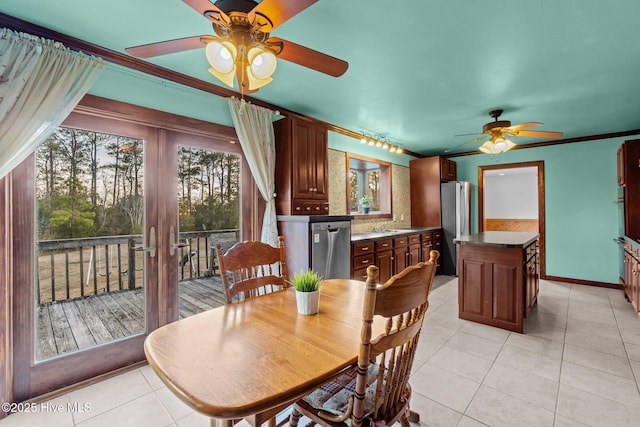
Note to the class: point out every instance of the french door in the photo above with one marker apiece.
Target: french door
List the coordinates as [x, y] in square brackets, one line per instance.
[82, 306]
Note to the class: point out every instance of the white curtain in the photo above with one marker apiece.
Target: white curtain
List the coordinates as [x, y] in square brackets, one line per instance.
[254, 126]
[41, 82]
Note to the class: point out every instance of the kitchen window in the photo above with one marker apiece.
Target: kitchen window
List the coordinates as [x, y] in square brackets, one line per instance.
[368, 177]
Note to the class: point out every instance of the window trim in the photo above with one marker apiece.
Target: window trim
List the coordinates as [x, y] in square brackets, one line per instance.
[386, 196]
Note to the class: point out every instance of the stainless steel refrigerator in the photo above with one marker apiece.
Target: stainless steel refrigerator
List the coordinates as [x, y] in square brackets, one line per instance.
[455, 203]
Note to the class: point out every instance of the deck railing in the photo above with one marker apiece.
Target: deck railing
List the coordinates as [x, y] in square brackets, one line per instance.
[74, 268]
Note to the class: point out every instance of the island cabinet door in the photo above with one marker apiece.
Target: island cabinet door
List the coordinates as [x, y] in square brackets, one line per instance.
[474, 290]
[507, 301]
[490, 286]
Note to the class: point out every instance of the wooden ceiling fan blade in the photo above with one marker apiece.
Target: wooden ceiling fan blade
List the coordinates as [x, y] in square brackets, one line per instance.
[277, 12]
[208, 10]
[480, 138]
[539, 134]
[310, 58]
[527, 125]
[170, 46]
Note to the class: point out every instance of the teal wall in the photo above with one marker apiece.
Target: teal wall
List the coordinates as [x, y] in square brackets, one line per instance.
[126, 85]
[130, 86]
[581, 213]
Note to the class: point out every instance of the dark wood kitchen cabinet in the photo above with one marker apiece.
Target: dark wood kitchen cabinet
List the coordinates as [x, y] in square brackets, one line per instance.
[425, 176]
[448, 170]
[392, 254]
[431, 241]
[414, 249]
[401, 254]
[531, 276]
[629, 179]
[632, 274]
[437, 246]
[384, 259]
[498, 281]
[301, 167]
[362, 256]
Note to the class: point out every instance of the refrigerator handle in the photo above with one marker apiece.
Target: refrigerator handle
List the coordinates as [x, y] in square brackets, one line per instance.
[463, 205]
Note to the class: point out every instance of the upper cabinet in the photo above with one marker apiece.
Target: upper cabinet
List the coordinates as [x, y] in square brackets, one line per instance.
[629, 177]
[301, 167]
[448, 171]
[425, 177]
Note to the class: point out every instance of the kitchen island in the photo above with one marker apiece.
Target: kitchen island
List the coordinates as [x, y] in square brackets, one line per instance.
[498, 277]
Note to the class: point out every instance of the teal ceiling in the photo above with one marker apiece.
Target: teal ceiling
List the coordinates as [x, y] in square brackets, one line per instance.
[420, 71]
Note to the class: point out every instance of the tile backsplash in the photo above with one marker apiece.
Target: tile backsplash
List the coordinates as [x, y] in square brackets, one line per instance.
[401, 202]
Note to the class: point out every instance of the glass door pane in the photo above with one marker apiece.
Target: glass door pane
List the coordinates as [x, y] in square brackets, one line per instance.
[208, 200]
[90, 221]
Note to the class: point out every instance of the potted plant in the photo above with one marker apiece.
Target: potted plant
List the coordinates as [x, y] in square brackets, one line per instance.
[307, 285]
[365, 201]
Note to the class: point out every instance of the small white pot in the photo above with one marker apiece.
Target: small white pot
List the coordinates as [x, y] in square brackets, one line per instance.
[308, 302]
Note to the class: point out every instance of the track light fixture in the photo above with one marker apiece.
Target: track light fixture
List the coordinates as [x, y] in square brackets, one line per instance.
[380, 141]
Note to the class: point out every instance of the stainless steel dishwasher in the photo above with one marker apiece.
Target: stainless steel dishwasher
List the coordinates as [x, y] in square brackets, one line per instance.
[331, 249]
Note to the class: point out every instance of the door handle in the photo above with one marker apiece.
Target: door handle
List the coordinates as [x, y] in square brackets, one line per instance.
[173, 246]
[152, 243]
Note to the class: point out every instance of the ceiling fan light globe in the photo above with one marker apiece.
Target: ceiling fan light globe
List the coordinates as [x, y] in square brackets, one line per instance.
[501, 145]
[221, 55]
[256, 83]
[488, 148]
[262, 62]
[510, 145]
[226, 78]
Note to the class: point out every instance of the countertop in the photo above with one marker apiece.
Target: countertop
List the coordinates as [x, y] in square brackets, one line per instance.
[389, 233]
[504, 239]
[314, 218]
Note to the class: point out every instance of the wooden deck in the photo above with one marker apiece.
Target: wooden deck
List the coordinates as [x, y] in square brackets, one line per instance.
[72, 325]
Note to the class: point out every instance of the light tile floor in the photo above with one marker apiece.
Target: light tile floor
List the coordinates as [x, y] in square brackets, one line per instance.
[577, 364]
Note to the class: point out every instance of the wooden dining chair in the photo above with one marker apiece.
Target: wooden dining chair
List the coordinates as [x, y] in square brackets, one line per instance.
[377, 390]
[251, 268]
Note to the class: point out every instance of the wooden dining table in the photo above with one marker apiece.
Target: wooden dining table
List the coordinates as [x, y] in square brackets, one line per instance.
[252, 358]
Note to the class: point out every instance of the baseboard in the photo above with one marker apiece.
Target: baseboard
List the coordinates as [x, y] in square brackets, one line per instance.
[583, 282]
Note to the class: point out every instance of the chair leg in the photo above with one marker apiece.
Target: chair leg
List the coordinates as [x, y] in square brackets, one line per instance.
[404, 421]
[414, 417]
[294, 417]
[221, 423]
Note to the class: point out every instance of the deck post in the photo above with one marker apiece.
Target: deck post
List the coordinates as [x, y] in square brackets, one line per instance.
[131, 267]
